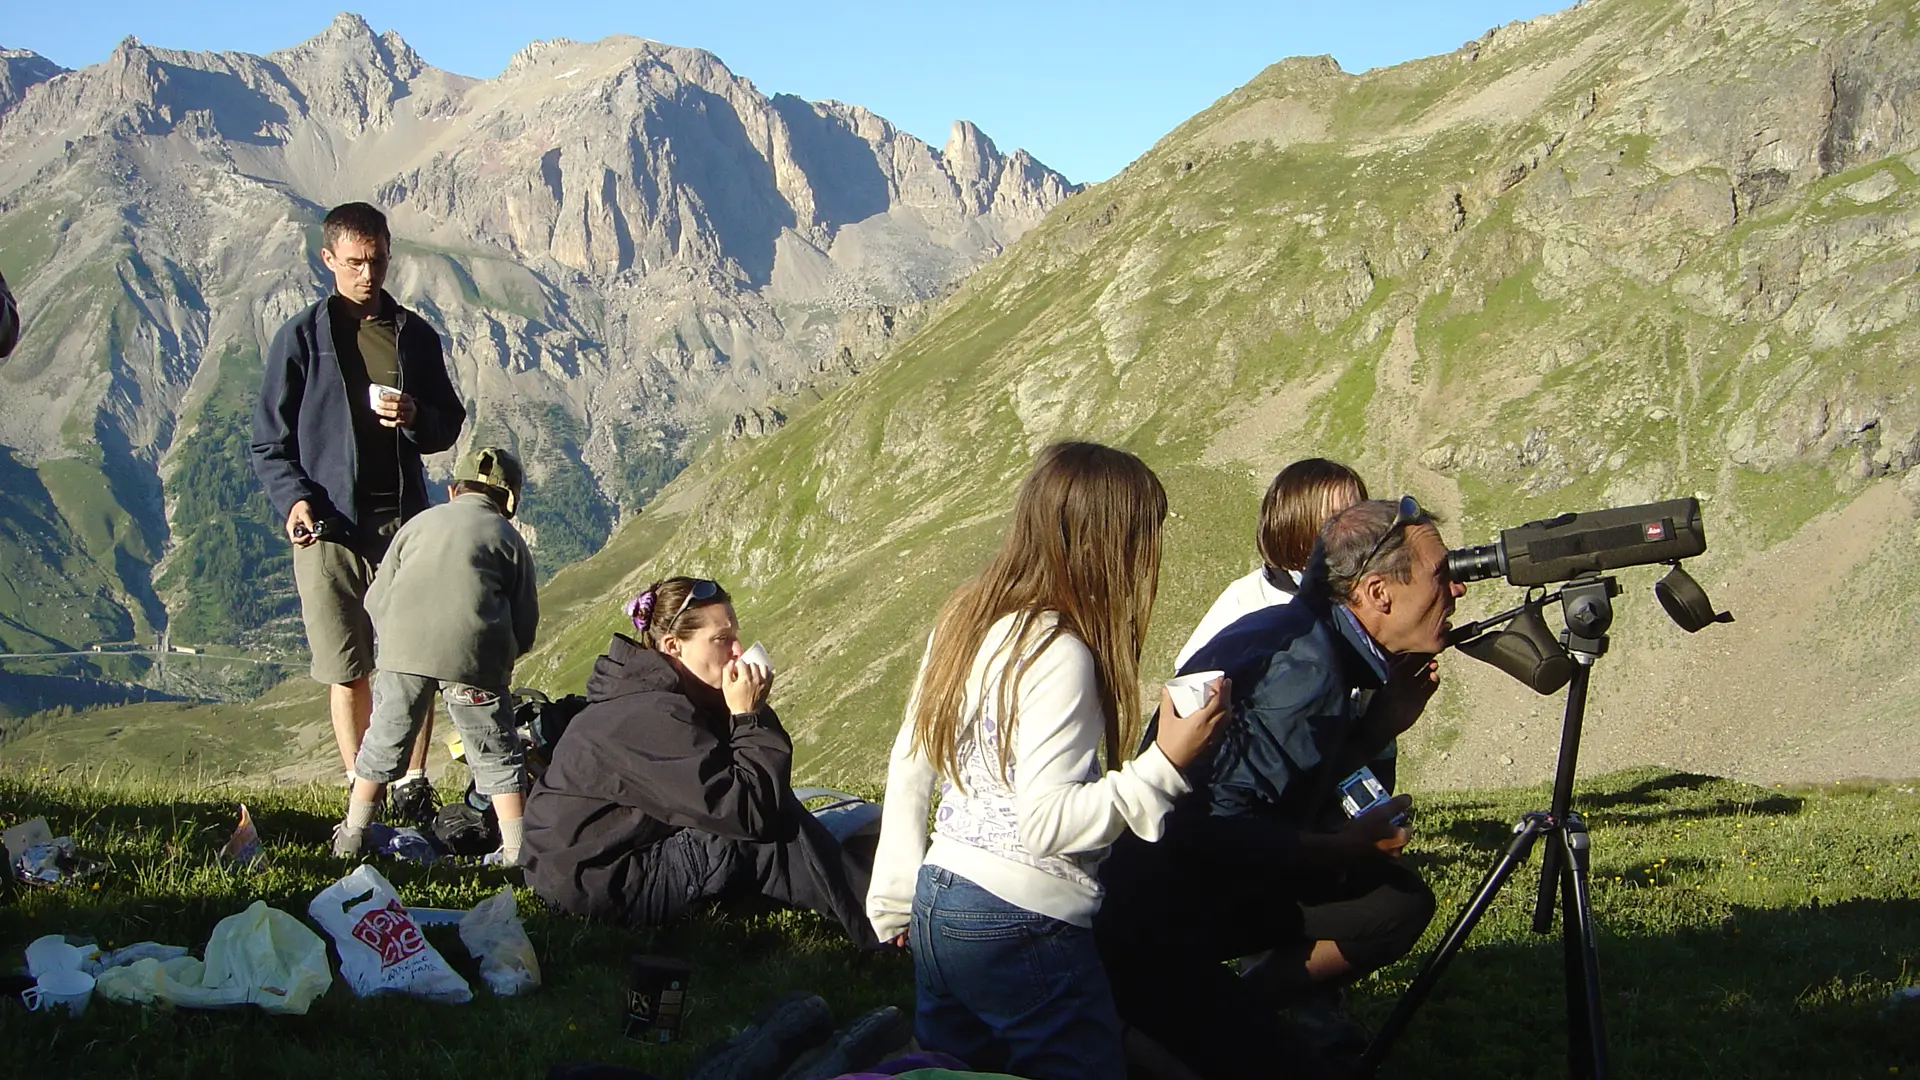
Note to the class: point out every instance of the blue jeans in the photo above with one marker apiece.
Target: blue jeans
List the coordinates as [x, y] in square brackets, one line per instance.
[1006, 989]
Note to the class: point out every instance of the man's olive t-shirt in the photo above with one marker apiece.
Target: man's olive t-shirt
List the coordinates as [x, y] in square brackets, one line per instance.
[369, 351]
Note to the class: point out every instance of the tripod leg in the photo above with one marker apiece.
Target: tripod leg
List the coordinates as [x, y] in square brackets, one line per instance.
[1576, 713]
[1586, 1024]
[1553, 869]
[1524, 834]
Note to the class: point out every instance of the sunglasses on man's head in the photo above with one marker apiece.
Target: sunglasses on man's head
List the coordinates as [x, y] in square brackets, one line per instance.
[1408, 513]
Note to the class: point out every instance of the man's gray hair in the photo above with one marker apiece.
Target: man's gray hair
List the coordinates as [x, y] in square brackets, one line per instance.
[1337, 567]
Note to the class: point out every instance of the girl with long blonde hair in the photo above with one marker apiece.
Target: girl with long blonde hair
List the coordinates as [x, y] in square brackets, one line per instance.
[1031, 669]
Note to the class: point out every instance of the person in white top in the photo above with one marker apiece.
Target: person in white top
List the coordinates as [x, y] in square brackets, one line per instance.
[1300, 499]
[1032, 665]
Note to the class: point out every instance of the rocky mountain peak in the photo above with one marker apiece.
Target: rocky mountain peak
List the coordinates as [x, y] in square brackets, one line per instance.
[21, 69]
[974, 163]
[968, 149]
[534, 50]
[406, 63]
[350, 75]
[347, 29]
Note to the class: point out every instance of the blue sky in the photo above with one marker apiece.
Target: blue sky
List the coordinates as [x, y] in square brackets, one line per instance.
[1086, 87]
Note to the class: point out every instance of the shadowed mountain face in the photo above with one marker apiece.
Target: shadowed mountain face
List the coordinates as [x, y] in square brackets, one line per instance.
[1636, 250]
[623, 243]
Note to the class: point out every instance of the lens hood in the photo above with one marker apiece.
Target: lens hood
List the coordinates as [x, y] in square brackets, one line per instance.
[1686, 602]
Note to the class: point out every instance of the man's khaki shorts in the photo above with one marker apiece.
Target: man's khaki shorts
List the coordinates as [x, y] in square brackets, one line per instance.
[333, 581]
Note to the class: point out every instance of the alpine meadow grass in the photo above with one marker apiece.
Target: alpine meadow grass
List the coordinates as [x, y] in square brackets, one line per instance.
[1744, 932]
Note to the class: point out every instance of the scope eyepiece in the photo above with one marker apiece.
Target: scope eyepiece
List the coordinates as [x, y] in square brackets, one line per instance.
[1476, 563]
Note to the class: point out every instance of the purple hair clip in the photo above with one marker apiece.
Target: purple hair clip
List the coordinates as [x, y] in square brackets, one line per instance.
[640, 610]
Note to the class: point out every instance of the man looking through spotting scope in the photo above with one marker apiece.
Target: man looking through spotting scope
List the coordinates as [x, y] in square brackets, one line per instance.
[1260, 856]
[354, 391]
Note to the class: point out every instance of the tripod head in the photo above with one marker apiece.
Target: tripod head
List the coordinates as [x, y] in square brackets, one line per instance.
[1587, 605]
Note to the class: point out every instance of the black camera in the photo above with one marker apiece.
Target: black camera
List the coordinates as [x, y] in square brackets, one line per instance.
[1565, 547]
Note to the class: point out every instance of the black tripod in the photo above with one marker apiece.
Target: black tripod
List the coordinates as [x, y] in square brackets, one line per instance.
[1587, 606]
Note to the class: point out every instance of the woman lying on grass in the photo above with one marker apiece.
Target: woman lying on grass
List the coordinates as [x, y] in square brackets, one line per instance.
[1032, 665]
[673, 784]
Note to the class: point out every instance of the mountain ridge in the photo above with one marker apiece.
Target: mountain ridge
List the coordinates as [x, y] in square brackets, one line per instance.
[624, 244]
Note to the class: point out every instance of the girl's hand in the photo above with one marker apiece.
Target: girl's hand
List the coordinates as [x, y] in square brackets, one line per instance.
[745, 686]
[1184, 738]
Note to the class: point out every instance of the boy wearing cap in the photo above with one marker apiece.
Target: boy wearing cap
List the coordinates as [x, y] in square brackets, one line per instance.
[453, 609]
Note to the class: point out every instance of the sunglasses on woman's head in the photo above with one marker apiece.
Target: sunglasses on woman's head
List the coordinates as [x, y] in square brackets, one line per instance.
[702, 590]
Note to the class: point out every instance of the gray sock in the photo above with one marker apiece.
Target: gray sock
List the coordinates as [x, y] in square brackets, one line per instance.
[512, 831]
[359, 814]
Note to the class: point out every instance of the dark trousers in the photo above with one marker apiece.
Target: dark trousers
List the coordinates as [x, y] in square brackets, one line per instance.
[811, 870]
[1170, 922]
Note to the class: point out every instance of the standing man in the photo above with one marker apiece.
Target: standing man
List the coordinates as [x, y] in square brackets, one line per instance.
[354, 392]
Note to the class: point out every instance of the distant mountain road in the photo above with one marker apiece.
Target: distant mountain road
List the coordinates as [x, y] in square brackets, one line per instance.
[174, 652]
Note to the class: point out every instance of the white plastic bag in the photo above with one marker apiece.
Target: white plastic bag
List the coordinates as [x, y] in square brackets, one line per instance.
[492, 932]
[262, 956]
[381, 947]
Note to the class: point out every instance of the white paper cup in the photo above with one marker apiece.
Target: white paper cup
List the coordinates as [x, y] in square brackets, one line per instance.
[1190, 691]
[376, 391]
[52, 953]
[63, 986]
[758, 656]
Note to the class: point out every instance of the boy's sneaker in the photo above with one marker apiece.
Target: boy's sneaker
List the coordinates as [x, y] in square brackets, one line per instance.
[414, 801]
[348, 842]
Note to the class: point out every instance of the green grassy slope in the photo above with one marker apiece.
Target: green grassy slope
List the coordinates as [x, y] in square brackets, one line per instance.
[229, 577]
[1744, 932]
[284, 729]
[81, 526]
[51, 596]
[1540, 274]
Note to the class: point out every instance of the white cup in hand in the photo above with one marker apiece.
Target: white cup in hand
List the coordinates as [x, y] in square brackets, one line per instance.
[759, 657]
[377, 392]
[1190, 691]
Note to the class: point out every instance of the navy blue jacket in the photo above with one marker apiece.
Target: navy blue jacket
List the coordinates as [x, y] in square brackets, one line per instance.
[303, 445]
[1294, 669]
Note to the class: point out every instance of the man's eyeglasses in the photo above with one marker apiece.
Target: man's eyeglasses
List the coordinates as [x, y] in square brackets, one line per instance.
[702, 590]
[1408, 513]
